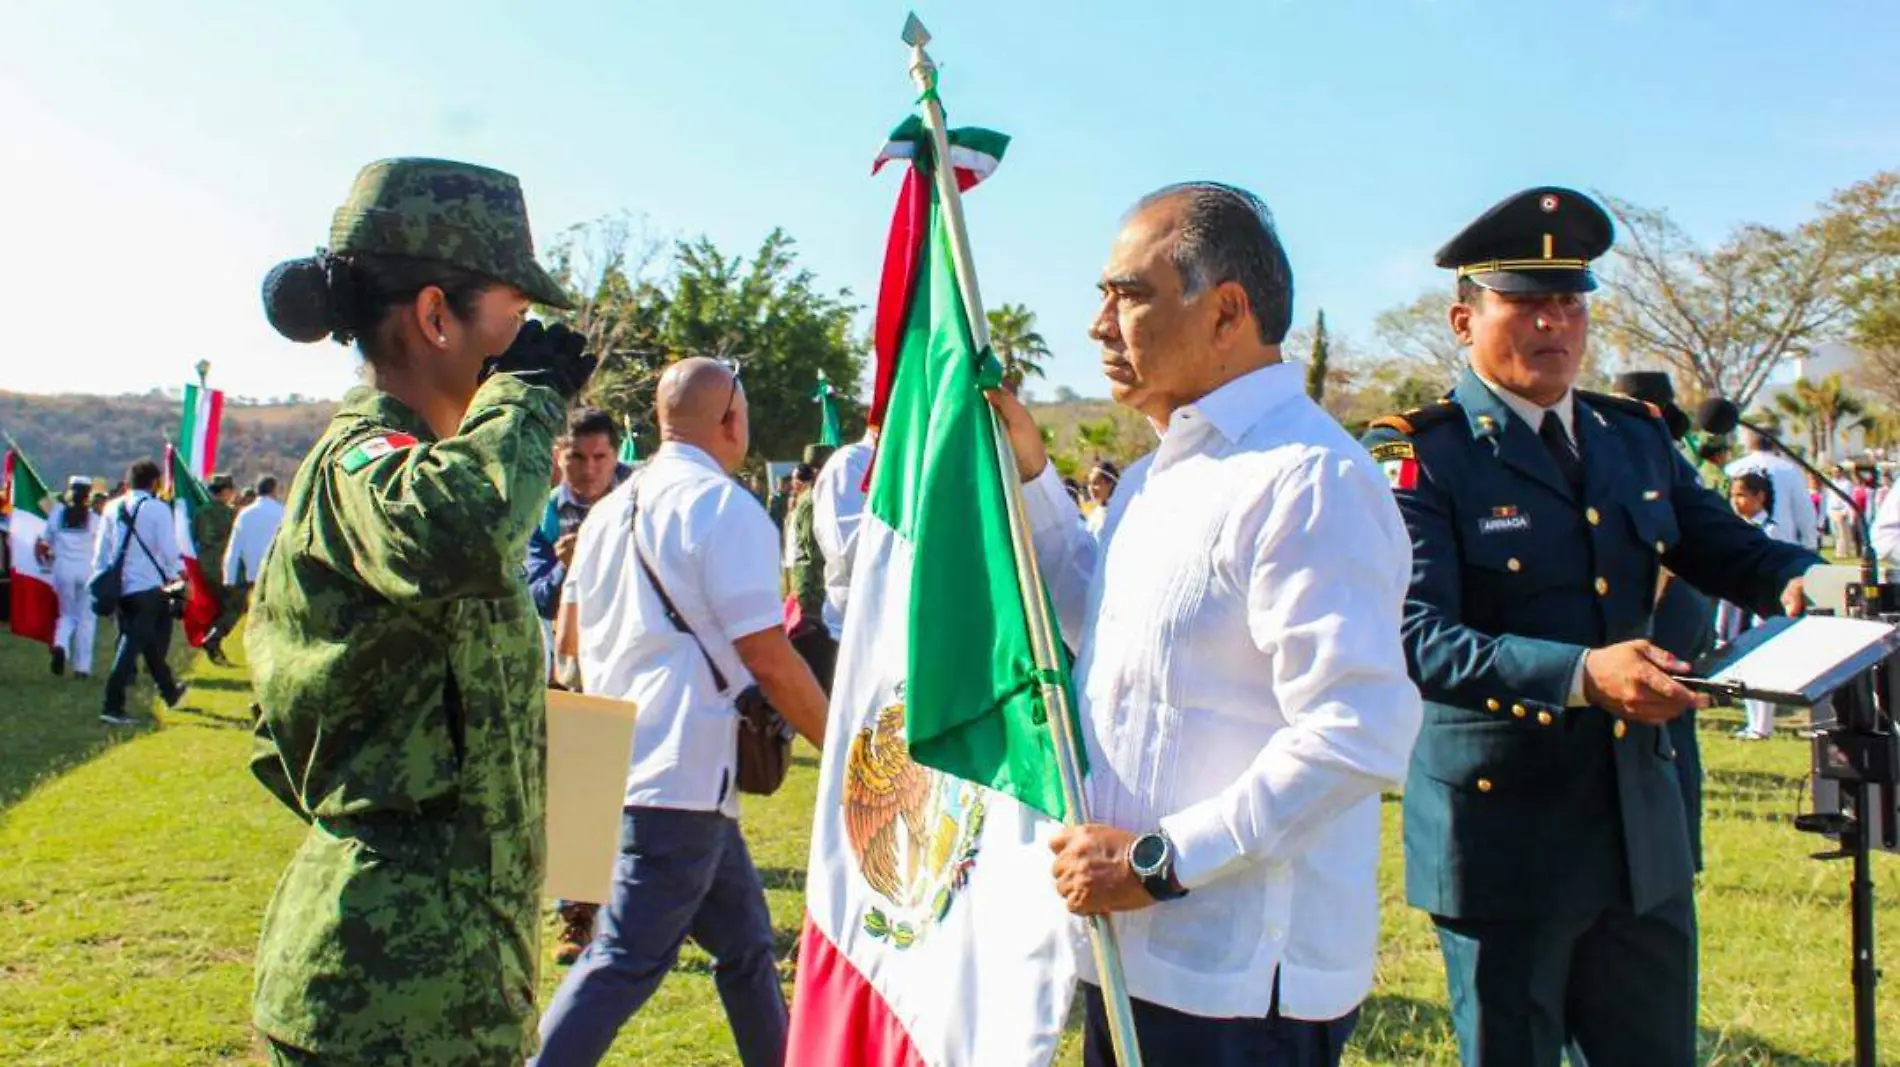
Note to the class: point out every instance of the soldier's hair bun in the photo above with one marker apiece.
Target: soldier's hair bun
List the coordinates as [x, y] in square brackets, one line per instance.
[311, 298]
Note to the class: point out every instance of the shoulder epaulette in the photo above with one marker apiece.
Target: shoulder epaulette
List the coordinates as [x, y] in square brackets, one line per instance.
[1627, 404]
[1411, 422]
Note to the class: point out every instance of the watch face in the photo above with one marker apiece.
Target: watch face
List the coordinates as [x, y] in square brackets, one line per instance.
[1148, 852]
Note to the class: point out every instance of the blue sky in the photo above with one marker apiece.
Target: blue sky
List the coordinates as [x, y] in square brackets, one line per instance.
[160, 157]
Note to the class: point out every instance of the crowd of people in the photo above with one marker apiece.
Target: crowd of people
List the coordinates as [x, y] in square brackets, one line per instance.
[1482, 601]
[132, 534]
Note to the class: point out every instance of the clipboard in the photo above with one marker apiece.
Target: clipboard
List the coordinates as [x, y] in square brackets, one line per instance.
[590, 746]
[1794, 662]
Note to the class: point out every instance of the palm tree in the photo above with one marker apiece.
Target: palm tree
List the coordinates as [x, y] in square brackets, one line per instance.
[1879, 428]
[1821, 408]
[1014, 339]
[1098, 438]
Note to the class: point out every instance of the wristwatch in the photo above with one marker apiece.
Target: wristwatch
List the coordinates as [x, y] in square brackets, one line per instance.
[1151, 857]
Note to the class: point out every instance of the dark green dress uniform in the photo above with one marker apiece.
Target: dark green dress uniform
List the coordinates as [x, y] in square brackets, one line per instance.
[1547, 840]
[397, 663]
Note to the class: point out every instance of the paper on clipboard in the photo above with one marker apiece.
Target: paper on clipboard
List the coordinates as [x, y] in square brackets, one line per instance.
[590, 743]
[1794, 659]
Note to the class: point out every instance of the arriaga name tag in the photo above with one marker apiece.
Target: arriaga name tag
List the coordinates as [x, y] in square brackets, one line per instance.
[1504, 520]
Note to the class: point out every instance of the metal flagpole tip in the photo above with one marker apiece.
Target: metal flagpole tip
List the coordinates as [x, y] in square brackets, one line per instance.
[914, 33]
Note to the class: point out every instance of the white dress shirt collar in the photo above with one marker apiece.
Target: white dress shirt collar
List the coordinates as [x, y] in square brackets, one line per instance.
[1532, 412]
[1234, 408]
[691, 454]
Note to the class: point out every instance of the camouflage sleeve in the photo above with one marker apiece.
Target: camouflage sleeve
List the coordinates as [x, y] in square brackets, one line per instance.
[449, 518]
[267, 765]
[808, 577]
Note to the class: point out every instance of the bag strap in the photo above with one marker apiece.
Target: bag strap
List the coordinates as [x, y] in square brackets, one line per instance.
[132, 534]
[666, 602]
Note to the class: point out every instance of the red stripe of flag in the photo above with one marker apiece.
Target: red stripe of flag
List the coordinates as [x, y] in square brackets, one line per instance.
[837, 1017]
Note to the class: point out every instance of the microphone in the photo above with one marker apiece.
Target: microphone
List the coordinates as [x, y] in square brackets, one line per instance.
[1719, 415]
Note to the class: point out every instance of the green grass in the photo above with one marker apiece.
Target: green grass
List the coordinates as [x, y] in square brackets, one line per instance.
[135, 864]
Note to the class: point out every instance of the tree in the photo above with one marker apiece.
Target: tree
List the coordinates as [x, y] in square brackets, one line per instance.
[1821, 409]
[1421, 332]
[768, 316]
[1879, 429]
[1316, 361]
[1870, 211]
[1014, 339]
[610, 265]
[1724, 318]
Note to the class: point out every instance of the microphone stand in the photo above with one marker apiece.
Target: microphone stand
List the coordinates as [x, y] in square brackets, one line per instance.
[1860, 734]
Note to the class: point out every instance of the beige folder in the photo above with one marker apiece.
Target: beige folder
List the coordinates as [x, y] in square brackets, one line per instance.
[590, 744]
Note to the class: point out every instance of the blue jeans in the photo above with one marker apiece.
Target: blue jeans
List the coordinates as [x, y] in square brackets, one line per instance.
[680, 873]
[1172, 1038]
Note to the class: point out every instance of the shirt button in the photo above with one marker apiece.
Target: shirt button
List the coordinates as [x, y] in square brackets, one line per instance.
[1492, 704]
[1593, 516]
[1484, 785]
[1519, 710]
[1620, 729]
[1544, 718]
[1275, 933]
[1514, 565]
[1603, 587]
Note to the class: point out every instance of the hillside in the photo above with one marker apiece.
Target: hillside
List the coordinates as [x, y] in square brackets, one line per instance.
[70, 434]
[100, 436]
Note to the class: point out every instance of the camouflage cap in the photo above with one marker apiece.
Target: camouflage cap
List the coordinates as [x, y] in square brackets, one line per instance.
[468, 216]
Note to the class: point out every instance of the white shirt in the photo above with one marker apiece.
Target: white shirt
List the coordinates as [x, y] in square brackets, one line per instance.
[72, 549]
[1794, 513]
[1886, 532]
[1243, 686]
[837, 508]
[713, 546]
[1533, 413]
[250, 538]
[154, 529]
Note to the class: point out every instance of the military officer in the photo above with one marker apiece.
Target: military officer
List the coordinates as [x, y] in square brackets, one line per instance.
[211, 533]
[1544, 824]
[394, 650]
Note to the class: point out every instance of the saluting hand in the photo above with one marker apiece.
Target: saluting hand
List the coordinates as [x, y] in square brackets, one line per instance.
[1632, 680]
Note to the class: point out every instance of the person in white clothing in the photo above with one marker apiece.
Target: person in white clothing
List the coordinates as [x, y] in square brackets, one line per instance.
[251, 535]
[1103, 478]
[1886, 534]
[67, 545]
[837, 509]
[681, 530]
[1752, 495]
[137, 536]
[1794, 512]
[1243, 690]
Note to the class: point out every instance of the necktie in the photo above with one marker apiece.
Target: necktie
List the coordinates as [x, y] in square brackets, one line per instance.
[1561, 450]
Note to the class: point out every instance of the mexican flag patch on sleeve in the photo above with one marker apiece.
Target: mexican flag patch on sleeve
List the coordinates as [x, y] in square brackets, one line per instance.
[1399, 462]
[372, 449]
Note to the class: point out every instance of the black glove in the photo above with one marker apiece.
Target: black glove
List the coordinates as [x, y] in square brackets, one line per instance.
[546, 355]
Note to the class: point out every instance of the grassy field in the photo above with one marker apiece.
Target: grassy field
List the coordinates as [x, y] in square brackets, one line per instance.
[134, 866]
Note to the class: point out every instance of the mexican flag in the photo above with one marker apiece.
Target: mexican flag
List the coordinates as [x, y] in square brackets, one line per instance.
[187, 494]
[24, 502]
[198, 429]
[830, 430]
[933, 934]
[629, 452]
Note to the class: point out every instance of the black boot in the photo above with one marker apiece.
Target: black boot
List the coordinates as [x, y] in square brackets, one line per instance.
[214, 648]
[59, 660]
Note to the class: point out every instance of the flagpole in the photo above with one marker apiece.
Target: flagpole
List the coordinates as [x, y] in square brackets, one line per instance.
[1044, 644]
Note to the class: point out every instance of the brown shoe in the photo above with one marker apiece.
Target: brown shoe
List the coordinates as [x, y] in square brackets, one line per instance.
[577, 929]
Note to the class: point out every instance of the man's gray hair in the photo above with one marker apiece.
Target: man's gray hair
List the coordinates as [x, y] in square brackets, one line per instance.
[1227, 235]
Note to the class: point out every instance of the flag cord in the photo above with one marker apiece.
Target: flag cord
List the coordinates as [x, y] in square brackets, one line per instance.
[1104, 944]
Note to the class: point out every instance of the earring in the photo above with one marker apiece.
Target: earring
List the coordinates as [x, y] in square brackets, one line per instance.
[441, 339]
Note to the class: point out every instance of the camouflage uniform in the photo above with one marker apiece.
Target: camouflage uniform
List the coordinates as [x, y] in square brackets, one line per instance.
[396, 659]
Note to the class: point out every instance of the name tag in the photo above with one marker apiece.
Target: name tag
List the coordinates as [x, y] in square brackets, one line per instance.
[1504, 524]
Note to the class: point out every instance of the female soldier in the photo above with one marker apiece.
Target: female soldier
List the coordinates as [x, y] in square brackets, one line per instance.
[394, 650]
[67, 546]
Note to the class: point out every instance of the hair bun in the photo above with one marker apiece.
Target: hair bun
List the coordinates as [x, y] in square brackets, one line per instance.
[297, 299]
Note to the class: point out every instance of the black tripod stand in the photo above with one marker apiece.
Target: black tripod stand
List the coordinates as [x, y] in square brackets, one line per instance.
[1857, 761]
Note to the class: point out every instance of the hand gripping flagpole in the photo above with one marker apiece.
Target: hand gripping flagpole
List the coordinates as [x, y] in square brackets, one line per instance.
[1042, 628]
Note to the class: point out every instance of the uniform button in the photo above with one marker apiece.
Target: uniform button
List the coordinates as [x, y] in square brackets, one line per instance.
[1484, 785]
[1492, 704]
[1544, 718]
[1513, 564]
[1603, 587]
[1519, 710]
[1661, 548]
[1620, 729]
[1593, 515]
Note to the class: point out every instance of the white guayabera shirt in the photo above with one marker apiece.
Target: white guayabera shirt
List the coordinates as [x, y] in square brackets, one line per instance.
[1243, 686]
